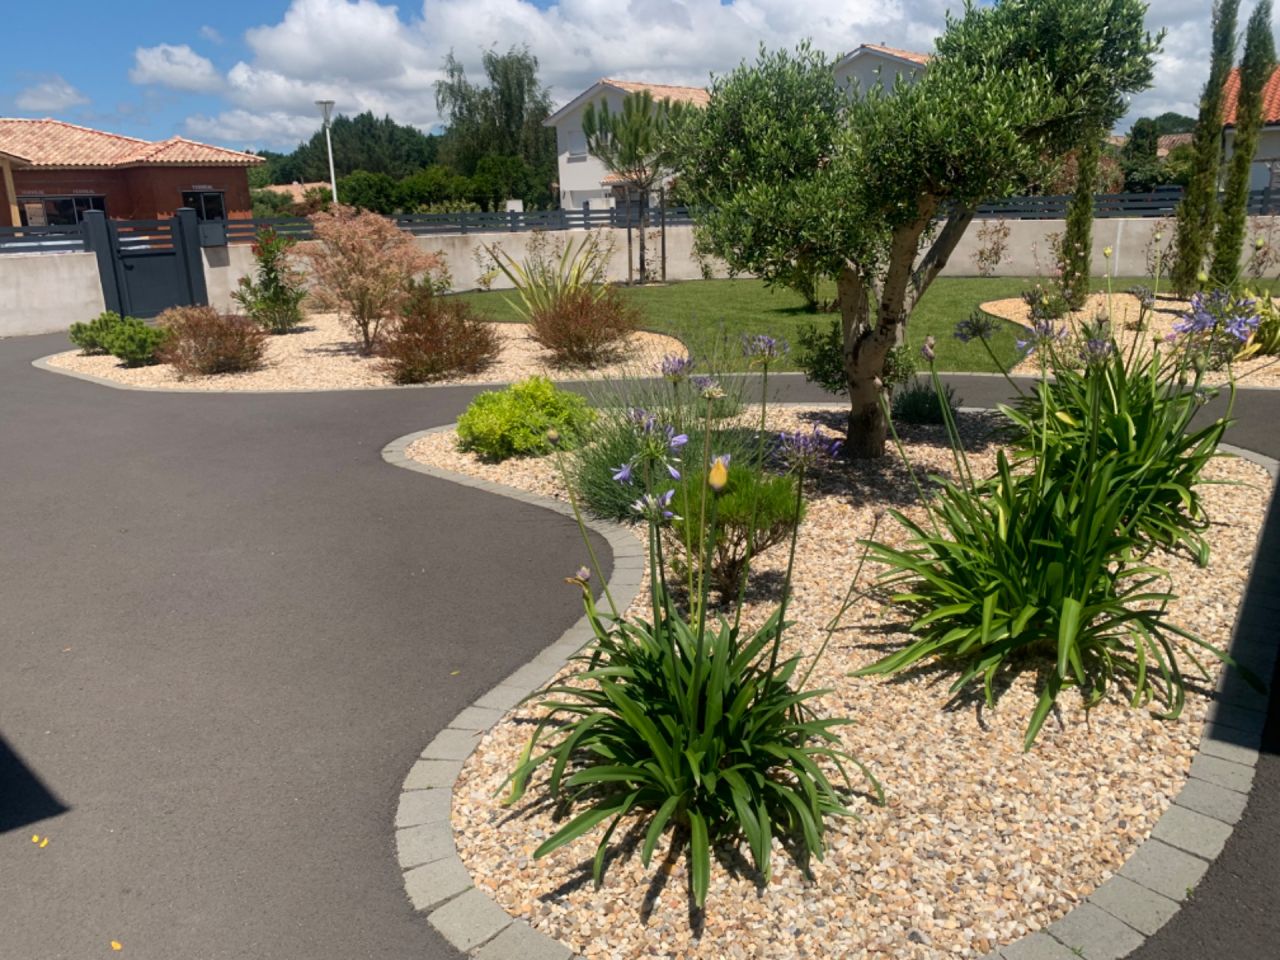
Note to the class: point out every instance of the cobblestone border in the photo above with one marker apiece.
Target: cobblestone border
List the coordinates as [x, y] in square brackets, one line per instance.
[1109, 924]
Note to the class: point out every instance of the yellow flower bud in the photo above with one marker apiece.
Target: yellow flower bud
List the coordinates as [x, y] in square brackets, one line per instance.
[1106, 252]
[719, 475]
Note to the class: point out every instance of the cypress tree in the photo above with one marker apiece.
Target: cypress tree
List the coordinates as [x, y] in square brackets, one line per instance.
[1077, 239]
[1256, 67]
[1196, 212]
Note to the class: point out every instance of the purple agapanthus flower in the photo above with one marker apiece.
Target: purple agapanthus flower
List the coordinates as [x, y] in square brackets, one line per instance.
[655, 509]
[675, 367]
[763, 349]
[623, 473]
[927, 349]
[1219, 311]
[708, 387]
[800, 451]
[979, 326]
[1097, 349]
[1043, 333]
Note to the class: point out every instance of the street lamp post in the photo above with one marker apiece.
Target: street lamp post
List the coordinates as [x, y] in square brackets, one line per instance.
[326, 111]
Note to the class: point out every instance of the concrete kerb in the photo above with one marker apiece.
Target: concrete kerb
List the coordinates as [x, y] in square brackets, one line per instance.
[436, 880]
[1110, 923]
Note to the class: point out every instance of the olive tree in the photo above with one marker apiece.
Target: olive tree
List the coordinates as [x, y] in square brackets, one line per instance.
[892, 193]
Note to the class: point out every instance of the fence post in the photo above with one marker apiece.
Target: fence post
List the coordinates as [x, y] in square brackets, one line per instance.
[662, 219]
[97, 240]
[186, 237]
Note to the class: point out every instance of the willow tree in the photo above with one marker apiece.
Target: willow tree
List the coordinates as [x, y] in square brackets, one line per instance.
[907, 166]
[634, 145]
[1256, 67]
[1199, 201]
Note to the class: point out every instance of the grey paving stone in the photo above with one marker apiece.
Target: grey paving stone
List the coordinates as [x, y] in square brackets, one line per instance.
[1226, 743]
[1212, 800]
[1165, 869]
[1144, 910]
[424, 843]
[1037, 946]
[532, 676]
[451, 745]
[1238, 718]
[423, 806]
[1233, 688]
[426, 774]
[476, 718]
[521, 942]
[503, 697]
[1233, 776]
[469, 920]
[1092, 933]
[1193, 832]
[433, 883]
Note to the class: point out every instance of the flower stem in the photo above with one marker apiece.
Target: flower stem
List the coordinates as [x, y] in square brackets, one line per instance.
[582, 529]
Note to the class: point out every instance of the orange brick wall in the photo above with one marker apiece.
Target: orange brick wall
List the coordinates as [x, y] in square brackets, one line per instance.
[139, 193]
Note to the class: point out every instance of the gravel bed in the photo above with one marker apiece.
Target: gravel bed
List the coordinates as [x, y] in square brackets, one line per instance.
[322, 355]
[978, 844]
[1257, 372]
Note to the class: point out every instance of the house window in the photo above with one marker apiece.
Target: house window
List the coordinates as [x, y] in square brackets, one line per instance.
[57, 211]
[577, 145]
[207, 204]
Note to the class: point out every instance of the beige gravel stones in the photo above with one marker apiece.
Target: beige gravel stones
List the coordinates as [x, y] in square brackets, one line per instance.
[978, 844]
[322, 355]
[1123, 308]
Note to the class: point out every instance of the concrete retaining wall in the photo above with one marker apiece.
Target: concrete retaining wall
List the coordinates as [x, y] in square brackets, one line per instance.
[47, 292]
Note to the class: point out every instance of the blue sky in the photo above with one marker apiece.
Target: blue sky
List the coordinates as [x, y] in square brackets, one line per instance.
[244, 73]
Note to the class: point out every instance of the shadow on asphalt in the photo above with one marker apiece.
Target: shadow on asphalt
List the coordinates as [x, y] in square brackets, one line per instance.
[24, 799]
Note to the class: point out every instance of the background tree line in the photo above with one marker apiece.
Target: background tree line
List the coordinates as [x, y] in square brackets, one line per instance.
[494, 147]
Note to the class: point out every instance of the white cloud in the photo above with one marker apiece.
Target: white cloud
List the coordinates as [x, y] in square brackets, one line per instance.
[368, 55]
[175, 66]
[51, 94]
[211, 34]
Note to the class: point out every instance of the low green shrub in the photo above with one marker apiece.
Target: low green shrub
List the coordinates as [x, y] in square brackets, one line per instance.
[499, 424]
[272, 298]
[754, 512]
[917, 402]
[202, 342]
[436, 337]
[135, 343]
[1046, 303]
[92, 337]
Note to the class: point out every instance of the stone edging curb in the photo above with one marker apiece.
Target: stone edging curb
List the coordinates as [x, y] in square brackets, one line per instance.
[1109, 924]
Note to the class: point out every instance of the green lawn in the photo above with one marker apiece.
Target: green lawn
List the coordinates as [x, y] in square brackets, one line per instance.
[710, 314]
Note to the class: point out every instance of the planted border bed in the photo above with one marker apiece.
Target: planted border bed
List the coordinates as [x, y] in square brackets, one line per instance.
[979, 842]
[322, 356]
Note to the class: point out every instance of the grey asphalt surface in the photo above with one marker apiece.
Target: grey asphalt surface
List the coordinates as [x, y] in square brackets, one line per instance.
[228, 629]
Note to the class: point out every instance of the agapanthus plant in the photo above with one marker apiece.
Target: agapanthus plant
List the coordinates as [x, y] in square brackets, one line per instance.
[1216, 326]
[699, 730]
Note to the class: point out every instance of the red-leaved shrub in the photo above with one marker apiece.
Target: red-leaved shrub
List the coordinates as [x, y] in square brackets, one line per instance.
[435, 337]
[584, 327]
[362, 266]
[202, 341]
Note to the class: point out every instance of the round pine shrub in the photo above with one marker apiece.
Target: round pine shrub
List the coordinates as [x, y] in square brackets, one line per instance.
[135, 343]
[203, 342]
[514, 422]
[436, 337]
[92, 337]
[754, 512]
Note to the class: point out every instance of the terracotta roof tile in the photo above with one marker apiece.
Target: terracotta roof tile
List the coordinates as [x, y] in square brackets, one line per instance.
[698, 96]
[912, 55]
[55, 143]
[1270, 99]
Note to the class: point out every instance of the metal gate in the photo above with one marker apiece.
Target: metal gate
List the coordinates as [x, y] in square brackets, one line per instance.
[147, 266]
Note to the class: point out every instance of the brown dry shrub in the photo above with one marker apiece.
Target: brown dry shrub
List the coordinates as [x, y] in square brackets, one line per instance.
[435, 337]
[362, 267]
[203, 342]
[585, 327]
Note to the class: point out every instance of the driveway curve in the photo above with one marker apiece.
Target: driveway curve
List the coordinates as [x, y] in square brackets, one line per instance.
[228, 630]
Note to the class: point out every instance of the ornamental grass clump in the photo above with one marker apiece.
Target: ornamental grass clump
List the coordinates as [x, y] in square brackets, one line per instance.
[700, 731]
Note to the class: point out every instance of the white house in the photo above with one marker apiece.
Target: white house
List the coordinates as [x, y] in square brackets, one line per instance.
[874, 61]
[1265, 171]
[584, 181]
